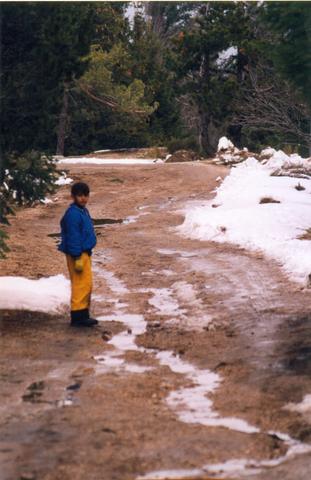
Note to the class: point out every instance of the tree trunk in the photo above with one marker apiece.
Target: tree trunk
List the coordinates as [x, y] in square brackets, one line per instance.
[63, 121]
[204, 115]
[203, 130]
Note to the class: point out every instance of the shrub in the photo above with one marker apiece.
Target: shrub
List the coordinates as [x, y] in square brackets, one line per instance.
[30, 177]
[27, 180]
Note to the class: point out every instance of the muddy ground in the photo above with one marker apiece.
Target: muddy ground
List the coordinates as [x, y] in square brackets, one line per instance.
[67, 413]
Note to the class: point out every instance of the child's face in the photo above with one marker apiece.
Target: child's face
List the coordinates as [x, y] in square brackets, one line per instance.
[81, 200]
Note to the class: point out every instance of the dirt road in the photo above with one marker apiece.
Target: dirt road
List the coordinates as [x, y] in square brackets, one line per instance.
[199, 351]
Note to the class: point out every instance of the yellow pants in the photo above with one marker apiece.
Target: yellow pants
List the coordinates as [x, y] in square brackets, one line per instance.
[81, 282]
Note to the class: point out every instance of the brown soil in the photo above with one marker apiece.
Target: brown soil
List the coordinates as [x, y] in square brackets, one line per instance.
[247, 322]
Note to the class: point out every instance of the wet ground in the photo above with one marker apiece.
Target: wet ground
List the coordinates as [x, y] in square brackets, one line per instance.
[199, 351]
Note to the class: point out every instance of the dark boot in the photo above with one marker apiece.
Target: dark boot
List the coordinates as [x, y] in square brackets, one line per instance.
[80, 318]
[92, 319]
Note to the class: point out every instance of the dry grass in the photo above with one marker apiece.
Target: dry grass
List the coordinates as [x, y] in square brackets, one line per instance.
[299, 187]
[268, 200]
[306, 235]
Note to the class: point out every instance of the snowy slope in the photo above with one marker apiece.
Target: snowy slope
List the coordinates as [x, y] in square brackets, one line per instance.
[236, 215]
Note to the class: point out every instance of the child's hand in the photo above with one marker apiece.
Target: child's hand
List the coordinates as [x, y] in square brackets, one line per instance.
[78, 265]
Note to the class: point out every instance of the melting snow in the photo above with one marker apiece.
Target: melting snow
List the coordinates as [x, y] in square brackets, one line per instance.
[273, 228]
[191, 403]
[302, 407]
[49, 294]
[63, 180]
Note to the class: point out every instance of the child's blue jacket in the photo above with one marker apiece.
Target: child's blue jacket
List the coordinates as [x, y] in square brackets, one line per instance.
[77, 231]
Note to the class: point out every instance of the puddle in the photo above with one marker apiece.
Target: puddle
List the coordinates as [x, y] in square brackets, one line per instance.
[97, 222]
[298, 360]
[54, 235]
[102, 222]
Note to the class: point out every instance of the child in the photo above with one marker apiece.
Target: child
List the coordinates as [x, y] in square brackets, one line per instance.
[77, 240]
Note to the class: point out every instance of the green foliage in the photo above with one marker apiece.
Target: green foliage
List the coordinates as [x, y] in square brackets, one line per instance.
[27, 180]
[30, 177]
[291, 21]
[99, 79]
[3, 245]
[157, 81]
[43, 45]
[5, 210]
[209, 85]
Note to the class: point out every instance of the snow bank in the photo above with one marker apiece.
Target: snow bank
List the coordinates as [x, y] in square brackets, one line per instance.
[107, 161]
[224, 143]
[280, 160]
[239, 218]
[48, 295]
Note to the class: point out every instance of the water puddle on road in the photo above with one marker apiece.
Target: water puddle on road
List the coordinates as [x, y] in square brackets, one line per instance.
[103, 222]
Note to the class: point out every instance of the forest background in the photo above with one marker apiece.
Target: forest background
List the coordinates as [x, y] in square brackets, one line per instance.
[83, 76]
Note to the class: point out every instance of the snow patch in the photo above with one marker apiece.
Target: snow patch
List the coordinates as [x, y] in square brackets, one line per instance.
[63, 180]
[302, 407]
[224, 143]
[191, 403]
[171, 474]
[164, 302]
[122, 343]
[273, 228]
[226, 55]
[48, 295]
[108, 161]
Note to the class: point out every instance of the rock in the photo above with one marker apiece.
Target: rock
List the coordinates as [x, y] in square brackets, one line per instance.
[154, 324]
[183, 156]
[106, 335]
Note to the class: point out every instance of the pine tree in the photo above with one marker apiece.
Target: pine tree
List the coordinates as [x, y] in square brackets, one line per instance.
[208, 87]
[292, 48]
[43, 45]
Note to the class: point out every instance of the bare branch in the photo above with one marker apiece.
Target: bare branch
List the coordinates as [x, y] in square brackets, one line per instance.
[268, 103]
[108, 101]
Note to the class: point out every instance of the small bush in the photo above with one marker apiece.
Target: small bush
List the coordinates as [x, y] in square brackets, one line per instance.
[28, 178]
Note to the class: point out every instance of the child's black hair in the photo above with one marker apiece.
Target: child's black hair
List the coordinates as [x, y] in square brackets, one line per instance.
[80, 188]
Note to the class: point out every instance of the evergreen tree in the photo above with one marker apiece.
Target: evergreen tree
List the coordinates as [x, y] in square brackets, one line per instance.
[292, 48]
[43, 45]
[207, 85]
